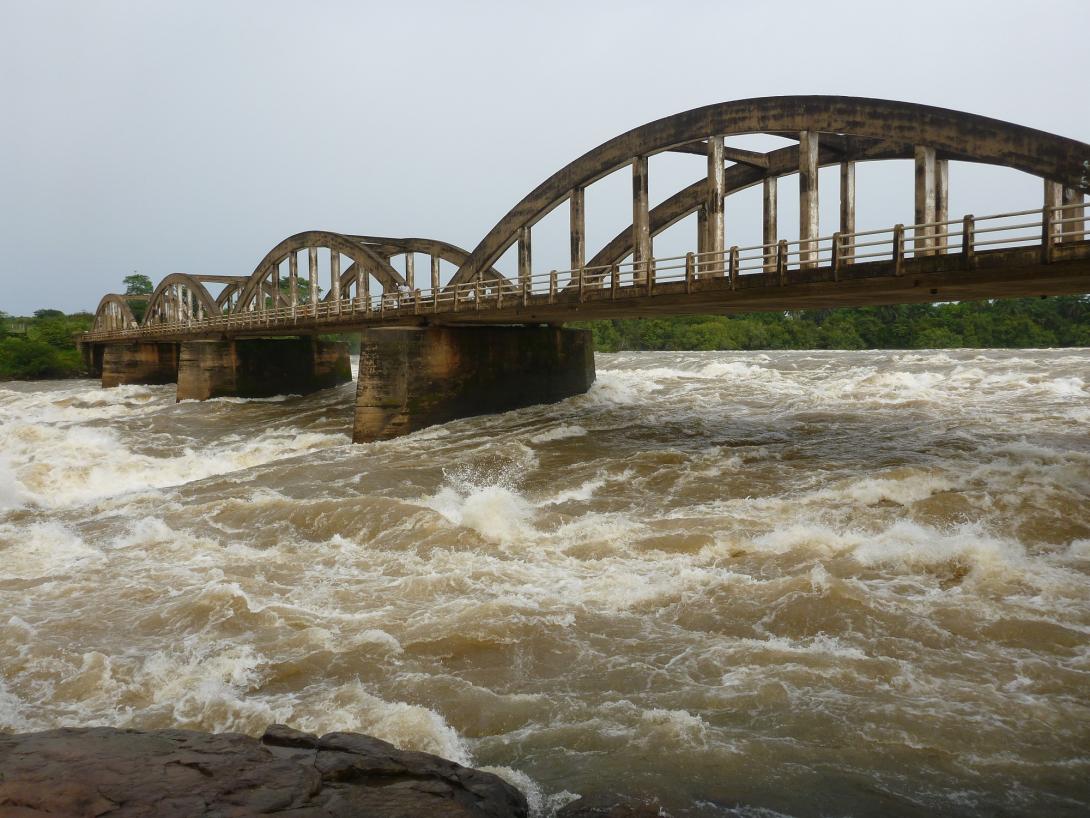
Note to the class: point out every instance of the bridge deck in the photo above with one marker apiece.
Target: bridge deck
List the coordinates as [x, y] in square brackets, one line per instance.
[999, 273]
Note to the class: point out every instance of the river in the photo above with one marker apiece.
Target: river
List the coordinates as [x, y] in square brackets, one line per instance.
[794, 583]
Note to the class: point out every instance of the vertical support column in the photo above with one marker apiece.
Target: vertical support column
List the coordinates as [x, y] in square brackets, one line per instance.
[524, 256]
[293, 279]
[942, 204]
[925, 200]
[1073, 231]
[713, 204]
[578, 222]
[435, 273]
[410, 271]
[361, 274]
[335, 277]
[1054, 194]
[312, 261]
[809, 225]
[641, 221]
[701, 231]
[276, 285]
[846, 250]
[771, 229]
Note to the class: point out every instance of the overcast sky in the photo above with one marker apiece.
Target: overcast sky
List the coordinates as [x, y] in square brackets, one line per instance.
[193, 136]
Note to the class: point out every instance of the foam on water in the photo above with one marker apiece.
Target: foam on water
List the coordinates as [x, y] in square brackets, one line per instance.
[51, 461]
[43, 550]
[561, 432]
[706, 578]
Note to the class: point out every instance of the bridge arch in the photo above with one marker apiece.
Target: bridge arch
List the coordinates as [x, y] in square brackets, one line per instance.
[265, 278]
[113, 313]
[738, 177]
[232, 286]
[849, 127]
[387, 247]
[179, 297]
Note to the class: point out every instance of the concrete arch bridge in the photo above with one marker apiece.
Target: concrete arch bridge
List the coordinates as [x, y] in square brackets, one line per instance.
[437, 347]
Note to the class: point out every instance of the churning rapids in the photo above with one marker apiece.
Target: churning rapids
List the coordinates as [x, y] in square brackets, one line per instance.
[804, 582]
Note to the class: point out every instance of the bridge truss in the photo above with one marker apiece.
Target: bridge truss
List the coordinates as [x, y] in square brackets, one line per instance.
[1038, 251]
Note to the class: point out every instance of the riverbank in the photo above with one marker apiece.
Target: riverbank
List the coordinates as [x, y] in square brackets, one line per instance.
[42, 346]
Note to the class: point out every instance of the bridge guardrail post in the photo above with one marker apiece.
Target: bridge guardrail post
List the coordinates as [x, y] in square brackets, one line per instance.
[582, 283]
[614, 280]
[650, 276]
[526, 293]
[837, 260]
[781, 261]
[898, 249]
[968, 242]
[552, 286]
[690, 271]
[732, 265]
[477, 294]
[1048, 217]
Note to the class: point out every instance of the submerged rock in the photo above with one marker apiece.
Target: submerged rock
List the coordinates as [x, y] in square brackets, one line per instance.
[101, 771]
[606, 805]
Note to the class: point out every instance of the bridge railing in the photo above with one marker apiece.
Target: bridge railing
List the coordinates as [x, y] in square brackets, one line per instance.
[1046, 227]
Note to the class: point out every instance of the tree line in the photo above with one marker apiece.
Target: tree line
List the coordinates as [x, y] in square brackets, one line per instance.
[1061, 321]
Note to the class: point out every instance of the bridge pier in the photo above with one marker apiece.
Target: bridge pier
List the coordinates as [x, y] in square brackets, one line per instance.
[260, 367]
[91, 355]
[412, 378]
[137, 362]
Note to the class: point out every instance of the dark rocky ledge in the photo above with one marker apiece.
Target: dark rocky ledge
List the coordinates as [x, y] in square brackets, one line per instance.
[100, 771]
[607, 805]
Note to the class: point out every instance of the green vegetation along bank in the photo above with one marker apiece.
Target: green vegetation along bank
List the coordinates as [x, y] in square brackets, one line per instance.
[42, 345]
[1027, 322]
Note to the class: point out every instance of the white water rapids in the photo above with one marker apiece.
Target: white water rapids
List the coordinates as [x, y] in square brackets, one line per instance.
[797, 583]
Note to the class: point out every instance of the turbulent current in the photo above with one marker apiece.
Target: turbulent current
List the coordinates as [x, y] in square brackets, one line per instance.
[798, 583]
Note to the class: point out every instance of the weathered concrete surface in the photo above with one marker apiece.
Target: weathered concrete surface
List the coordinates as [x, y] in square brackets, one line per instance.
[260, 367]
[91, 355]
[182, 774]
[140, 362]
[412, 378]
[953, 134]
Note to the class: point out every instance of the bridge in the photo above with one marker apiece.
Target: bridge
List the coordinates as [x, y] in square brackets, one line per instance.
[433, 349]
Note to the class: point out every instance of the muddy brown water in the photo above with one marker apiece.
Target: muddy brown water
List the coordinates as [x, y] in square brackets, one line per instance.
[797, 583]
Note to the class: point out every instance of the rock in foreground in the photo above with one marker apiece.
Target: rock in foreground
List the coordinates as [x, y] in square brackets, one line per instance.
[101, 771]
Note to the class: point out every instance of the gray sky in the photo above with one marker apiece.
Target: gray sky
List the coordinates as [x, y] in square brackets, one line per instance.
[193, 136]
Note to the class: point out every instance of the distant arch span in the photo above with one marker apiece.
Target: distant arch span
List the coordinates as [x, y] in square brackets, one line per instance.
[113, 313]
[178, 297]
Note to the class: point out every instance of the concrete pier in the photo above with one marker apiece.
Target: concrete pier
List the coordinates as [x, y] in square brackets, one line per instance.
[413, 378]
[91, 355]
[260, 367]
[137, 362]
